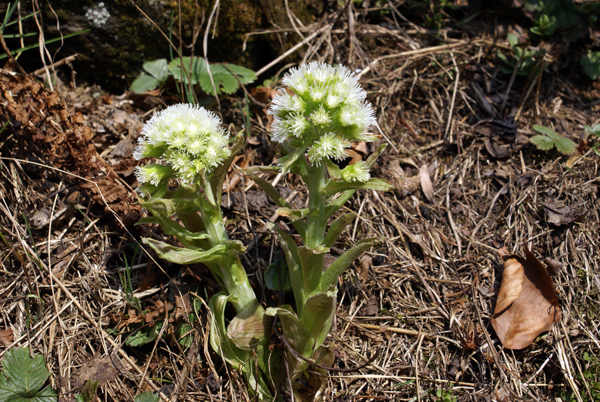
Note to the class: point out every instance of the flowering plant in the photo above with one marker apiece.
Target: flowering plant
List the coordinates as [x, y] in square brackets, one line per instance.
[191, 146]
[324, 113]
[315, 124]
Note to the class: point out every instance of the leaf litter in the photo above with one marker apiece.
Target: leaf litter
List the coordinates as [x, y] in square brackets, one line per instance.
[423, 298]
[527, 304]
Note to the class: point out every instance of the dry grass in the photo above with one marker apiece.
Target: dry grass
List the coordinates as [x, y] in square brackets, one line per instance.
[421, 300]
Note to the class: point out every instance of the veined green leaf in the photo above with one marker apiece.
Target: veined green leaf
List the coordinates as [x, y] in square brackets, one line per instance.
[334, 187]
[147, 397]
[296, 333]
[251, 328]
[220, 342]
[157, 69]
[23, 377]
[331, 274]
[311, 265]
[187, 69]
[565, 145]
[337, 227]
[184, 256]
[546, 131]
[144, 83]
[542, 142]
[292, 214]
[169, 206]
[173, 228]
[318, 314]
[227, 349]
[290, 250]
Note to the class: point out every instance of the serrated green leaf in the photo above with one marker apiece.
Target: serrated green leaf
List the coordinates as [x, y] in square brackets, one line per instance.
[23, 378]
[224, 81]
[565, 145]
[157, 68]
[542, 142]
[187, 69]
[546, 130]
[147, 397]
[245, 75]
[144, 83]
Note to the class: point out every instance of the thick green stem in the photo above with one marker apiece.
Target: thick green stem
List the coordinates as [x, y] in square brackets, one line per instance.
[315, 225]
[312, 260]
[231, 271]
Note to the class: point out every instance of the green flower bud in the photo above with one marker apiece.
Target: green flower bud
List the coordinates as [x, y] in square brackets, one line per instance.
[153, 174]
[356, 172]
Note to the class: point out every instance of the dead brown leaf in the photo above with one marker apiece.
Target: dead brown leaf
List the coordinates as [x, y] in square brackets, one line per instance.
[6, 337]
[560, 214]
[527, 304]
[99, 369]
[426, 184]
[403, 185]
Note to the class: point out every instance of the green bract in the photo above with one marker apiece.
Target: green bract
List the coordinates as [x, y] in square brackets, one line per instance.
[326, 111]
[189, 139]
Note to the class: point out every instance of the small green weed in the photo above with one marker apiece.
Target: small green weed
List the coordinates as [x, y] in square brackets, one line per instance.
[595, 131]
[591, 376]
[227, 78]
[552, 15]
[591, 64]
[23, 377]
[88, 393]
[445, 395]
[522, 57]
[550, 139]
[6, 22]
[125, 277]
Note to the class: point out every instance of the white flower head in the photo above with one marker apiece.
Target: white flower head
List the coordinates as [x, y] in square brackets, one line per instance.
[327, 101]
[188, 138]
[329, 146]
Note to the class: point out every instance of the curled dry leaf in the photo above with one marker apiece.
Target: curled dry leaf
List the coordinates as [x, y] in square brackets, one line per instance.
[426, 184]
[527, 304]
[403, 185]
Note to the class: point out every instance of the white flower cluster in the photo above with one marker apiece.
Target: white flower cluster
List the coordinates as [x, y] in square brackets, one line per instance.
[188, 139]
[327, 107]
